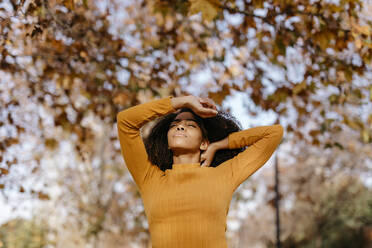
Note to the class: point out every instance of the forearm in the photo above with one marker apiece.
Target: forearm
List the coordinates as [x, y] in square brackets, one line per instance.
[133, 118]
[249, 136]
[179, 102]
[221, 144]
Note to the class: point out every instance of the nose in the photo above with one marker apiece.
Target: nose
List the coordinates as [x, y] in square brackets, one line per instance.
[180, 128]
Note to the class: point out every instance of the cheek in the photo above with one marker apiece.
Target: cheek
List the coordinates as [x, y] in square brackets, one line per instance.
[197, 134]
[169, 136]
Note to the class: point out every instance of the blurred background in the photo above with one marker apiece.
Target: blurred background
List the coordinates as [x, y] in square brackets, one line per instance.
[68, 67]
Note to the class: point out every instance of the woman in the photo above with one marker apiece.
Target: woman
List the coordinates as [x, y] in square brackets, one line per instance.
[193, 161]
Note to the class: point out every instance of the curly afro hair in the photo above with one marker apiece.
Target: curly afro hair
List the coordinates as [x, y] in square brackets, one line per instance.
[213, 128]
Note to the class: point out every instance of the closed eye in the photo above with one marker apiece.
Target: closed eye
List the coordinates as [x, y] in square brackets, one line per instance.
[172, 125]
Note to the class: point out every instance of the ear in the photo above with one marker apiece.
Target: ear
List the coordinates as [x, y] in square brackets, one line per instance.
[204, 145]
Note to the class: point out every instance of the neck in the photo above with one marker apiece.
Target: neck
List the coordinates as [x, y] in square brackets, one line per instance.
[186, 158]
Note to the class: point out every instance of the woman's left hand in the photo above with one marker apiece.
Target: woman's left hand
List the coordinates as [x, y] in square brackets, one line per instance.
[206, 157]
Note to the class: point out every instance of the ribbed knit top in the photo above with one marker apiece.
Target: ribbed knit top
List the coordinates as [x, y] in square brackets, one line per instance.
[187, 206]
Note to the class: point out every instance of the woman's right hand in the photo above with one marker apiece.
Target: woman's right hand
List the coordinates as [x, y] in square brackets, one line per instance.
[204, 107]
[206, 157]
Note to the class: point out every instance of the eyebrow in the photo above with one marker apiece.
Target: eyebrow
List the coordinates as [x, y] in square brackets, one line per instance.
[177, 120]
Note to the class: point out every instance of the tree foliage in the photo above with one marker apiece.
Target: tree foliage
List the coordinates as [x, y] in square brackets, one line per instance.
[66, 56]
[67, 65]
[23, 233]
[325, 200]
[341, 218]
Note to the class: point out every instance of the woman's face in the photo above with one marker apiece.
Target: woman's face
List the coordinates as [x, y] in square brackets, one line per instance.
[184, 134]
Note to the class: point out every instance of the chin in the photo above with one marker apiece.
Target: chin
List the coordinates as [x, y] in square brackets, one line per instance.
[178, 148]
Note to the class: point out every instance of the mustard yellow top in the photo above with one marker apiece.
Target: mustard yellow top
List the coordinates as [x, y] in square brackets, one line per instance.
[187, 206]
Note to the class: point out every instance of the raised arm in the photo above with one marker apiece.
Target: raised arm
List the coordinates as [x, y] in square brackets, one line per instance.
[261, 141]
[129, 122]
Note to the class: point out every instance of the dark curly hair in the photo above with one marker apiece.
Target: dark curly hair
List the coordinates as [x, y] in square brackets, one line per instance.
[213, 128]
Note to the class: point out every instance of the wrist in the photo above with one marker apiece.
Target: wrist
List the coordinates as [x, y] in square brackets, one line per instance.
[214, 146]
[179, 102]
[221, 144]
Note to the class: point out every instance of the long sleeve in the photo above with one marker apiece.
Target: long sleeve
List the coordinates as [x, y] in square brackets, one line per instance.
[261, 141]
[129, 122]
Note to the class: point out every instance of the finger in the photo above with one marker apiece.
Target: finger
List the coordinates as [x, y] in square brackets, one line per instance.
[206, 164]
[208, 112]
[208, 102]
[211, 103]
[205, 103]
[211, 112]
[207, 115]
[208, 105]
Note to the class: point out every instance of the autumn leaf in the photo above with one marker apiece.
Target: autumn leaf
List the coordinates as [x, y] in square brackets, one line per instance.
[299, 87]
[209, 8]
[219, 96]
[85, 3]
[43, 196]
[51, 143]
[3, 171]
[70, 4]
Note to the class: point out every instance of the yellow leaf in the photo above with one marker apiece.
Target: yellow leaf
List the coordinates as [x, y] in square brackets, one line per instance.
[366, 30]
[159, 19]
[358, 43]
[369, 120]
[210, 51]
[121, 98]
[70, 4]
[219, 96]
[209, 8]
[235, 70]
[365, 135]
[299, 87]
[341, 76]
[322, 40]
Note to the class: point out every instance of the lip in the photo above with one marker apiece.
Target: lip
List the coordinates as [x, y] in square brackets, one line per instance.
[179, 134]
